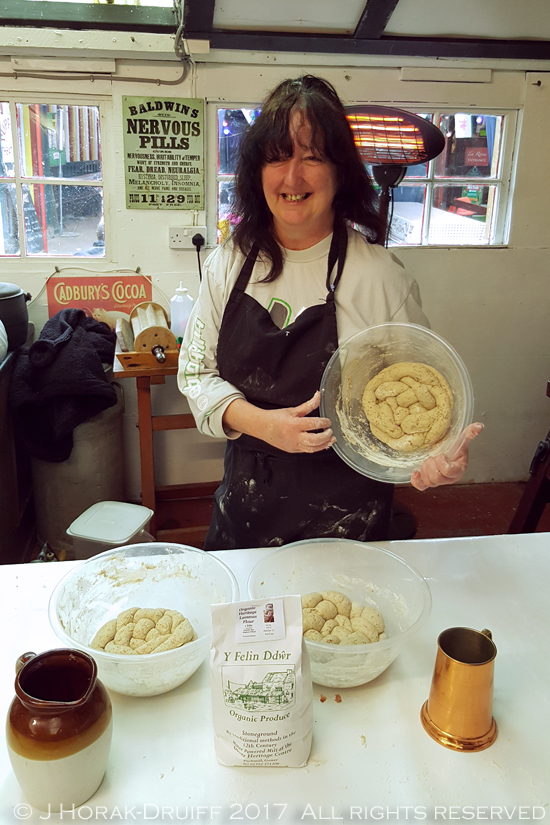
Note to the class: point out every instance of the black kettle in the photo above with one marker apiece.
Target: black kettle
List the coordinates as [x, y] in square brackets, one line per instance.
[13, 314]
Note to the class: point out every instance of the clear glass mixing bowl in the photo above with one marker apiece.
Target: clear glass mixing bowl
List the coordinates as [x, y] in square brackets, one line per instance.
[351, 368]
[156, 574]
[365, 573]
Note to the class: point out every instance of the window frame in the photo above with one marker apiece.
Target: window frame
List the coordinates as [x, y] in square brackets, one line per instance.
[39, 14]
[212, 176]
[104, 104]
[503, 181]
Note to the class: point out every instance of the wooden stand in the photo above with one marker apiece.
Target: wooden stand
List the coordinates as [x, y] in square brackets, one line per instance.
[185, 508]
[537, 491]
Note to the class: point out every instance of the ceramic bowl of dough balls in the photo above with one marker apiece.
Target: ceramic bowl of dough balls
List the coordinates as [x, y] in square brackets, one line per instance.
[395, 394]
[361, 604]
[95, 608]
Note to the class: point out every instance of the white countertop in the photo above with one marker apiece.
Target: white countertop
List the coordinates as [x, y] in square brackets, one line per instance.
[371, 759]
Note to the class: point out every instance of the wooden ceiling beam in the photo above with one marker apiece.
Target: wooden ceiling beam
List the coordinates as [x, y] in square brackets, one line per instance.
[374, 19]
[402, 46]
[199, 17]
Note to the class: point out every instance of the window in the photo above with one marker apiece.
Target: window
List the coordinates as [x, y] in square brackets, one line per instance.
[51, 182]
[231, 124]
[458, 199]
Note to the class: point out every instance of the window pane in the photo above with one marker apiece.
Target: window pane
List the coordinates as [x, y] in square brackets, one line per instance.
[472, 148]
[462, 214]
[408, 215]
[63, 220]
[9, 229]
[225, 215]
[6, 143]
[231, 124]
[59, 141]
[166, 4]
[419, 170]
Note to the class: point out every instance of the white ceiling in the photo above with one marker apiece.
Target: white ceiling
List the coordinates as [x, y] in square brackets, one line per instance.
[500, 19]
[494, 19]
[307, 16]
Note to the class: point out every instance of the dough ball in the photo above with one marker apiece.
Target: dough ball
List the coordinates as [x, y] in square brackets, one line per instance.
[163, 626]
[120, 649]
[340, 600]
[126, 617]
[329, 626]
[313, 635]
[104, 635]
[311, 619]
[328, 610]
[343, 621]
[374, 617]
[149, 613]
[311, 599]
[366, 628]
[183, 634]
[355, 638]
[340, 633]
[142, 628]
[123, 636]
[356, 610]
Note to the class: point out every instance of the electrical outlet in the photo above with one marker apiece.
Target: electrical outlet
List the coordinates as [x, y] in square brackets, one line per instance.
[181, 237]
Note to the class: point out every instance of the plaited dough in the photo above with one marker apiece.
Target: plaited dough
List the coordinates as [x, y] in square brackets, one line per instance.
[331, 617]
[144, 630]
[408, 406]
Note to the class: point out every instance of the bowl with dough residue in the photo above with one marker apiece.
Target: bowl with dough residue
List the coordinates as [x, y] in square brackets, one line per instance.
[368, 577]
[155, 577]
[395, 394]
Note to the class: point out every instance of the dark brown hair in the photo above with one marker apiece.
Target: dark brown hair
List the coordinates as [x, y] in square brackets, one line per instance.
[268, 137]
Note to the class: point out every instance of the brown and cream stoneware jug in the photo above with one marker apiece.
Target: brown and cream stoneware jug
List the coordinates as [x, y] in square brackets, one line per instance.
[59, 728]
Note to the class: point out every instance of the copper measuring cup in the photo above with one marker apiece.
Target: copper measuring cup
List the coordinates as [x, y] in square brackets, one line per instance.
[458, 712]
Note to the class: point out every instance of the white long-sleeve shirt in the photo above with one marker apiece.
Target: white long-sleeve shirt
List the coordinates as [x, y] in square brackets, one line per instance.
[374, 289]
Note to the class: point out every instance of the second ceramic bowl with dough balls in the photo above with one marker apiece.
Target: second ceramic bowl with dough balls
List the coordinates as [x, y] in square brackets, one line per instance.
[357, 362]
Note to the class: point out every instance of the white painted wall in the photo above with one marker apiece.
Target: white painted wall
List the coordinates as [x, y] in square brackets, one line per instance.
[490, 304]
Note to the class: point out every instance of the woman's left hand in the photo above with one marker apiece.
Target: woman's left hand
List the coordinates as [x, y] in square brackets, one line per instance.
[442, 469]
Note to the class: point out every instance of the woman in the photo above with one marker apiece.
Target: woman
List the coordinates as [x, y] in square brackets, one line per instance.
[292, 283]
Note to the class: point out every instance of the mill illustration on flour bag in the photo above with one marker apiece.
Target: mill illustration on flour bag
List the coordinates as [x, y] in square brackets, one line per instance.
[261, 684]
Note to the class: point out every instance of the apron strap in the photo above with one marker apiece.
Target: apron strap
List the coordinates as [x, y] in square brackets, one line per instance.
[246, 271]
[337, 254]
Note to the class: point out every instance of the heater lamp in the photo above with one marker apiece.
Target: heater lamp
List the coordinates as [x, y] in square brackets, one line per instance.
[390, 140]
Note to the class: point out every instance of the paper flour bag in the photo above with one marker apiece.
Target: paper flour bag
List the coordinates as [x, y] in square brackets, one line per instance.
[261, 684]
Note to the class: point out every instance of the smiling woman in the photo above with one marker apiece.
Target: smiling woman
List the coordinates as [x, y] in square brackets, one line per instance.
[300, 274]
[299, 190]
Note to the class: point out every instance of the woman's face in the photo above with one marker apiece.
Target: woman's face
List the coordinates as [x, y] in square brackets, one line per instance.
[299, 191]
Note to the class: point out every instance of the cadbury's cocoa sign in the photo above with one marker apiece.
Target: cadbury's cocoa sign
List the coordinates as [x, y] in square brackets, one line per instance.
[103, 297]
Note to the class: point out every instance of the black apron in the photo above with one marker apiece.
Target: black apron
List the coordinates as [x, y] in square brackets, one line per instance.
[269, 497]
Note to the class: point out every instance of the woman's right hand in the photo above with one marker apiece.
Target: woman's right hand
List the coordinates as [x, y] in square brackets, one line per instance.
[287, 428]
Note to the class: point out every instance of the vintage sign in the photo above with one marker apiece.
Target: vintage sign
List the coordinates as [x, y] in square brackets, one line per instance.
[103, 297]
[163, 152]
[463, 125]
[476, 156]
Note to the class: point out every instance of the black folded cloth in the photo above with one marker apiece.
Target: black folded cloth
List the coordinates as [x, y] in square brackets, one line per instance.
[59, 382]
